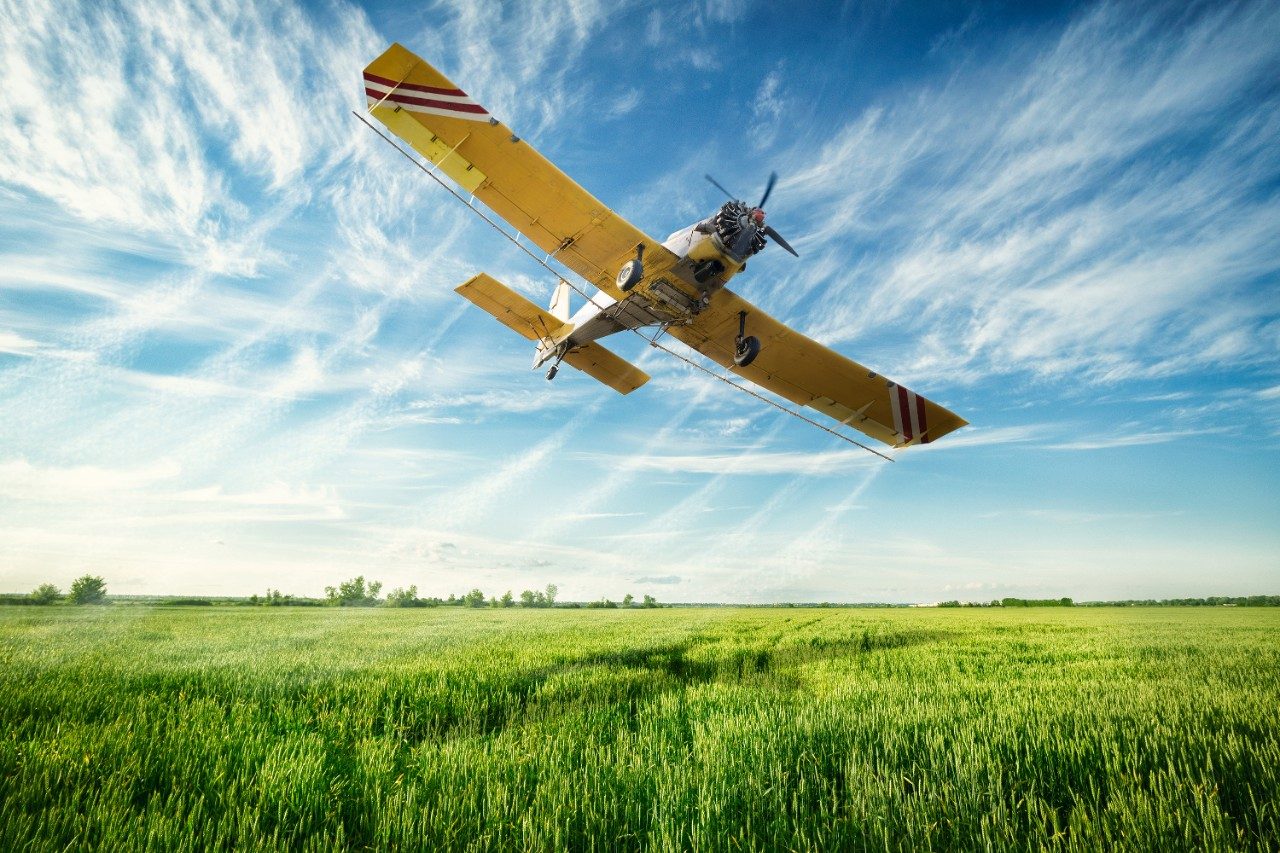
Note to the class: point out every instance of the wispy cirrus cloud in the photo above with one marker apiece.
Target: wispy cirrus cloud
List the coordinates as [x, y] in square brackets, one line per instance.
[825, 463]
[1109, 224]
[1131, 439]
[229, 346]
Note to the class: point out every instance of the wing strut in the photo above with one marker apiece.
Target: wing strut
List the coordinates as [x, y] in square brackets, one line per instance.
[652, 341]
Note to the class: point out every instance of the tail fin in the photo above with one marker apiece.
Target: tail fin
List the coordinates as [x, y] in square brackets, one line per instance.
[560, 302]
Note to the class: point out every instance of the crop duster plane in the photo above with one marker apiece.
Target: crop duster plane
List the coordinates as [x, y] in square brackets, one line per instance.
[676, 286]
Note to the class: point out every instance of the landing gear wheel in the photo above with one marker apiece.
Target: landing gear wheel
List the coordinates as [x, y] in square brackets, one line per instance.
[632, 271]
[551, 374]
[746, 350]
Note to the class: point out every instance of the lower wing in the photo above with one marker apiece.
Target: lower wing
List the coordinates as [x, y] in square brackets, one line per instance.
[807, 373]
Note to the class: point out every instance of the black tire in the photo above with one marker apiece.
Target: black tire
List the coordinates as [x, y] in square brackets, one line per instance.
[746, 351]
[630, 274]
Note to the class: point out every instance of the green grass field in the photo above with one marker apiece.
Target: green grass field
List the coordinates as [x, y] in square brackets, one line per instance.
[718, 729]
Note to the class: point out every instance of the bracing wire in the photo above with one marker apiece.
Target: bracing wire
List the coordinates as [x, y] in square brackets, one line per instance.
[652, 341]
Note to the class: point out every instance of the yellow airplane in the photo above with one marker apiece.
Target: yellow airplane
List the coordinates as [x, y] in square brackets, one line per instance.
[676, 286]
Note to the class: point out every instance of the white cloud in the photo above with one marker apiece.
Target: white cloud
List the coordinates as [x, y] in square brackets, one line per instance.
[824, 464]
[20, 480]
[766, 110]
[1133, 439]
[15, 344]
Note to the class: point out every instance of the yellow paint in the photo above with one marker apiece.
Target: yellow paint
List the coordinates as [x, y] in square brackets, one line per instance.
[518, 183]
[410, 128]
[513, 310]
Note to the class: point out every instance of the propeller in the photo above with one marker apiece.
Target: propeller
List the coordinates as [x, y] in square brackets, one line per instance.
[777, 238]
[768, 189]
[716, 184]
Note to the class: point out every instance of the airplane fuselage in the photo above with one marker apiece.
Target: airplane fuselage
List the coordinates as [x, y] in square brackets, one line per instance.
[708, 260]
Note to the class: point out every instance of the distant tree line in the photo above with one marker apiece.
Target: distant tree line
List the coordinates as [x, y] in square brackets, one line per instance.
[86, 589]
[359, 592]
[1036, 602]
[1012, 602]
[1212, 601]
[355, 592]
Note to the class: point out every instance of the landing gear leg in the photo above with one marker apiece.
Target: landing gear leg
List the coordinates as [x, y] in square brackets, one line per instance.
[745, 347]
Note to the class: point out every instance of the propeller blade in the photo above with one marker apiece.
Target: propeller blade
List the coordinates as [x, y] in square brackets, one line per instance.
[768, 188]
[716, 184]
[777, 238]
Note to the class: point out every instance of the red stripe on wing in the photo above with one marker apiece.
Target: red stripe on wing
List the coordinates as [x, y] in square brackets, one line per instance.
[408, 100]
[904, 407]
[413, 87]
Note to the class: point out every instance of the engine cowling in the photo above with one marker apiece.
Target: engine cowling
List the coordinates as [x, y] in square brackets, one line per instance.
[736, 231]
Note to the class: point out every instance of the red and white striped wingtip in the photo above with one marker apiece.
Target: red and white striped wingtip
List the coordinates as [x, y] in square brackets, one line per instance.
[416, 98]
[909, 417]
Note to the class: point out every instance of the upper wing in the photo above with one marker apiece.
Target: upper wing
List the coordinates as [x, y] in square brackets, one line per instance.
[808, 374]
[426, 110]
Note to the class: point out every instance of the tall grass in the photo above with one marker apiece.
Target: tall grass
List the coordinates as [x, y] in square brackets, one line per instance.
[136, 728]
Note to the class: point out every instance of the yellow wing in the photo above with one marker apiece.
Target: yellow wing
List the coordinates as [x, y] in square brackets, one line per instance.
[511, 309]
[808, 374]
[425, 109]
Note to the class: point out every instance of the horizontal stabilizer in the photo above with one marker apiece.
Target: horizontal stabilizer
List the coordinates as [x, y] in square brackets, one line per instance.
[513, 310]
[599, 363]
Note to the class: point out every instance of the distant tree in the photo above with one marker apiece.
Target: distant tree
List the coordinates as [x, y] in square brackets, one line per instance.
[475, 598]
[508, 599]
[949, 604]
[354, 593]
[628, 600]
[275, 598]
[650, 601]
[531, 598]
[88, 589]
[402, 597]
[46, 593]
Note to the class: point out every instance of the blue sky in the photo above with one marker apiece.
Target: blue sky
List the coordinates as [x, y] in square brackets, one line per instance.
[231, 357]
